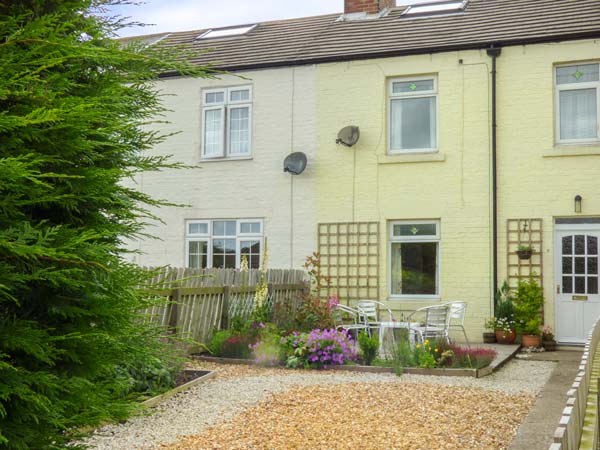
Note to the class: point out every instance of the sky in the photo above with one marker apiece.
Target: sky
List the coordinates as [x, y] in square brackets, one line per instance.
[185, 15]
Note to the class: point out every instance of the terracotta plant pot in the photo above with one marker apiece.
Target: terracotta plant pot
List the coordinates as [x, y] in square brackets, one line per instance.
[506, 337]
[531, 340]
[489, 337]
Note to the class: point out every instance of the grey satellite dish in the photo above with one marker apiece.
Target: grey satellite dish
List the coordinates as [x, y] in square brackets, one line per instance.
[348, 136]
[295, 163]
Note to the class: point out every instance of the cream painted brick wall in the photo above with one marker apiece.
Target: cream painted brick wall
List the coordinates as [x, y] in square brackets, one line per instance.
[532, 184]
[455, 190]
[255, 188]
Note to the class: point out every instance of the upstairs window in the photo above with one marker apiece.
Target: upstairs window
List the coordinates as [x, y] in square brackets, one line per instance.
[578, 103]
[226, 122]
[223, 243]
[412, 114]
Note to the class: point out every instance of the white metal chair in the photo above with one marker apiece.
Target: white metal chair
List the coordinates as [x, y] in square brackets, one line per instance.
[369, 311]
[349, 319]
[458, 311]
[435, 324]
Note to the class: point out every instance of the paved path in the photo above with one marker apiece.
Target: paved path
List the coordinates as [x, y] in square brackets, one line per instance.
[535, 433]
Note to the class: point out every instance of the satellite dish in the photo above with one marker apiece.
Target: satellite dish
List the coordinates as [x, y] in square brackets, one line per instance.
[295, 163]
[348, 136]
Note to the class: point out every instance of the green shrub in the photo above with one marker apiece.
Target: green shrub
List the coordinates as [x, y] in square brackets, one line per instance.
[150, 376]
[76, 105]
[528, 301]
[369, 347]
[216, 341]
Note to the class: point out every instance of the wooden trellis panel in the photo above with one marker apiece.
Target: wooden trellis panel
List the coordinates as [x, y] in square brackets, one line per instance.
[350, 258]
[524, 232]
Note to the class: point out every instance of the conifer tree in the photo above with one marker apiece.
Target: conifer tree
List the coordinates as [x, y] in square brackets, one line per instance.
[75, 108]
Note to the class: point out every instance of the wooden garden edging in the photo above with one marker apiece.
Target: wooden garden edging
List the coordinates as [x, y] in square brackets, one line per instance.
[199, 301]
[568, 434]
[170, 393]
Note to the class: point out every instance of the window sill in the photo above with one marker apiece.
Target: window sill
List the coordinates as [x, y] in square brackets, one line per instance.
[414, 298]
[239, 158]
[573, 150]
[411, 158]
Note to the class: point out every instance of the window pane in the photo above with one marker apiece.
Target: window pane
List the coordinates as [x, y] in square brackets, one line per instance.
[579, 244]
[580, 265]
[414, 267]
[252, 251]
[240, 95]
[578, 114]
[215, 97]
[198, 252]
[580, 285]
[577, 74]
[592, 242]
[250, 227]
[412, 123]
[230, 261]
[412, 86]
[567, 265]
[239, 130]
[198, 228]
[224, 228]
[224, 246]
[249, 247]
[567, 245]
[592, 268]
[218, 261]
[567, 285]
[417, 229]
[592, 285]
[213, 132]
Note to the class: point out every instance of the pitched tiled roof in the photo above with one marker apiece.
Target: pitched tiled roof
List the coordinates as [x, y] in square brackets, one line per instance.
[325, 38]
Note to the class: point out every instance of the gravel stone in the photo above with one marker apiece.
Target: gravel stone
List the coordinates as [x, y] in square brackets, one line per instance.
[235, 389]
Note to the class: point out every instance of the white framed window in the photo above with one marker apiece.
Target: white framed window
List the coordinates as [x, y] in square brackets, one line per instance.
[414, 267]
[222, 243]
[226, 122]
[413, 114]
[577, 99]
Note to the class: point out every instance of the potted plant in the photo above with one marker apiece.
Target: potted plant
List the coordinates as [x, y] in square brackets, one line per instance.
[525, 251]
[548, 339]
[489, 336]
[528, 301]
[504, 320]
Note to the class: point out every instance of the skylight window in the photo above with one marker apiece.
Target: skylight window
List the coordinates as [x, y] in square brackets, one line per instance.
[435, 8]
[226, 32]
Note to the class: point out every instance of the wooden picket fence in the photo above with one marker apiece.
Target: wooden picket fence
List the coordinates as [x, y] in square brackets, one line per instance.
[199, 301]
[580, 414]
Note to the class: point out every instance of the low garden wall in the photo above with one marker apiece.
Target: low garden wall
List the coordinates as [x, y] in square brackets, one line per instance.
[582, 401]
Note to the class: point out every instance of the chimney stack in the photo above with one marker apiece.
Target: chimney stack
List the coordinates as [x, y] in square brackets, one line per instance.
[367, 6]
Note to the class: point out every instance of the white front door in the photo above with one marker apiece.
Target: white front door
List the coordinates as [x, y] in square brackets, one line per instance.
[576, 281]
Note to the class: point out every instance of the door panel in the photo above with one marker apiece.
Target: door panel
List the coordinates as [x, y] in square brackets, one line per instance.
[576, 281]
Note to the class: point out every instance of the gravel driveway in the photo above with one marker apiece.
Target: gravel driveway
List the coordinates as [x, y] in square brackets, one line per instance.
[223, 406]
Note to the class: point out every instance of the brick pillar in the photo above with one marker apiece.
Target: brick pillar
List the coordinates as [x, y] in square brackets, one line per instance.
[368, 6]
